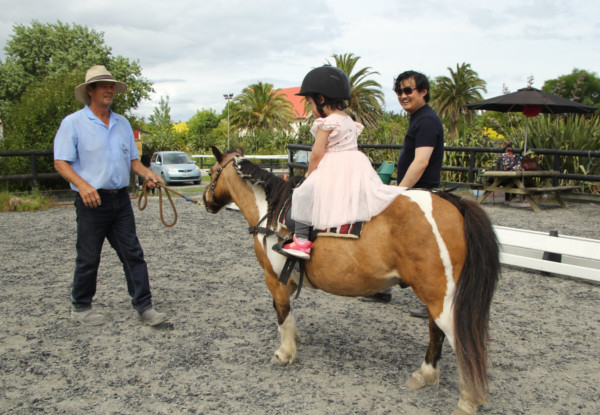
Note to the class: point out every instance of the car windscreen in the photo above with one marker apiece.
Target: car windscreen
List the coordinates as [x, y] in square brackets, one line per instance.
[177, 158]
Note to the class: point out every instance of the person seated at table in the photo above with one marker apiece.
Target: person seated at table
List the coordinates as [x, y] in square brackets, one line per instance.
[508, 161]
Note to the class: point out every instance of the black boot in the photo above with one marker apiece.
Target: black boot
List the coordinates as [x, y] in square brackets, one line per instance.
[419, 313]
[384, 296]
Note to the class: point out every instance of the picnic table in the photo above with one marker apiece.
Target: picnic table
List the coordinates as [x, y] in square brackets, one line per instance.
[515, 182]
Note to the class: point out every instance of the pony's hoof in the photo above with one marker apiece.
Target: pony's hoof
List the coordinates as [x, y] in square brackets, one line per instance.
[423, 377]
[282, 358]
[465, 407]
[462, 411]
[416, 381]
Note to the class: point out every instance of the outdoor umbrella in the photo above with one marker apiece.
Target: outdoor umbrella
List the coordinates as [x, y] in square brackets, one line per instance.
[531, 101]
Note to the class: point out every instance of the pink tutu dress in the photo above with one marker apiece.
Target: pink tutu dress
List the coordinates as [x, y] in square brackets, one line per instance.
[344, 188]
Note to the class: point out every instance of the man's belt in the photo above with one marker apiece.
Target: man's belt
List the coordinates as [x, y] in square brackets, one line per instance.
[111, 191]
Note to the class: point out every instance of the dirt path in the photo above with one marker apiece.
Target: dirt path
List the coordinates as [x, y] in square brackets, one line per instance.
[215, 356]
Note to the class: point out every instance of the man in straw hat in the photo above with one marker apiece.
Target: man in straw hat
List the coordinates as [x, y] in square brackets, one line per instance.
[94, 150]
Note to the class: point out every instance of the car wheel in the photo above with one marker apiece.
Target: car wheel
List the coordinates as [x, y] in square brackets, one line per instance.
[162, 176]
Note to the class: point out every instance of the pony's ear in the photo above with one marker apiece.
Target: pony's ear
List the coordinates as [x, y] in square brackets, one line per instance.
[240, 150]
[218, 155]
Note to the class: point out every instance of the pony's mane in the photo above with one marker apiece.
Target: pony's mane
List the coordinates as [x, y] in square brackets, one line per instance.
[277, 190]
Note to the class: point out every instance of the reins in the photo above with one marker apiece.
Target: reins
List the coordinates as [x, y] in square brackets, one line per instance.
[264, 230]
[143, 201]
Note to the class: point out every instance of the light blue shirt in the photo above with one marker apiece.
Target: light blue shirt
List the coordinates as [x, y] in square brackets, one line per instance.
[99, 154]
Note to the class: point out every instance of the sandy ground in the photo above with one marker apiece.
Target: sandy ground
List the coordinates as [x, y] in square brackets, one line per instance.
[214, 356]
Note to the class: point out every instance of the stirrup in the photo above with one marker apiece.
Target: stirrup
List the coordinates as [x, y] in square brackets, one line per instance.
[298, 249]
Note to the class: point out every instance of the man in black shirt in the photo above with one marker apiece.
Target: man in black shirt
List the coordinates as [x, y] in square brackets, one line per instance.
[420, 162]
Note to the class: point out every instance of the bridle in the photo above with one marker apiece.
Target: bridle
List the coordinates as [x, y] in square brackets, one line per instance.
[213, 182]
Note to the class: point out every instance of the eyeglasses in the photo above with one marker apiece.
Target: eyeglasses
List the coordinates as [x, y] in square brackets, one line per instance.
[407, 90]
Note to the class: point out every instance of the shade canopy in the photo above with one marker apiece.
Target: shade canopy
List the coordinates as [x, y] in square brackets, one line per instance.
[517, 101]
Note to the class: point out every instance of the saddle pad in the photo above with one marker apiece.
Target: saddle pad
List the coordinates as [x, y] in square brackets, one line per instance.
[352, 230]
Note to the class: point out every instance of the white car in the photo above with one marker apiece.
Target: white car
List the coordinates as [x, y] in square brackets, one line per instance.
[175, 167]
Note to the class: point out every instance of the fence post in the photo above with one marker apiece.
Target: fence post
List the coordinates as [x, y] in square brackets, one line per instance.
[472, 166]
[33, 164]
[290, 161]
[551, 256]
[555, 167]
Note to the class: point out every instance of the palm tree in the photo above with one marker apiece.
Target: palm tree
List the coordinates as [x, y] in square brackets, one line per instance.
[259, 107]
[454, 92]
[366, 97]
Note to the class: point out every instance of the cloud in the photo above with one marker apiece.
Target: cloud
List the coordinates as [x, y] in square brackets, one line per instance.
[194, 52]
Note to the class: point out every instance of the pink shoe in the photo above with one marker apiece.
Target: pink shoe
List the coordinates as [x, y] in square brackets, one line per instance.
[299, 249]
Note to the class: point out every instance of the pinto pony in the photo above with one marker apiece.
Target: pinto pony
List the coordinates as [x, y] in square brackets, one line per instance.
[442, 246]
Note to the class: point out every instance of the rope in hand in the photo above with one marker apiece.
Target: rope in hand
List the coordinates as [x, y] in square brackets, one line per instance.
[143, 201]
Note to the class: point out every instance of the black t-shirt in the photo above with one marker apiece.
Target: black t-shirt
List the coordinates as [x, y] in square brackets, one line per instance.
[424, 130]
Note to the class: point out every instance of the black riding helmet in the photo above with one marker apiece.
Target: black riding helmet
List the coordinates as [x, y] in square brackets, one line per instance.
[328, 81]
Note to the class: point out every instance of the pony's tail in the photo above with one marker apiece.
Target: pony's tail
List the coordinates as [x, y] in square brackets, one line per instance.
[473, 298]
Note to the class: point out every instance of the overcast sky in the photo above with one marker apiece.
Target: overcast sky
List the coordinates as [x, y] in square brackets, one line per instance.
[194, 51]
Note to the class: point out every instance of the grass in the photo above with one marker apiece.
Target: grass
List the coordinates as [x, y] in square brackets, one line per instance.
[27, 202]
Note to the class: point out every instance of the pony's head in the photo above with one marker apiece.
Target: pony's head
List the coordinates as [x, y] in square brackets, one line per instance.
[216, 197]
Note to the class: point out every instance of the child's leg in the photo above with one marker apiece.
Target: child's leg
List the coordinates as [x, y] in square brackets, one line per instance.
[302, 231]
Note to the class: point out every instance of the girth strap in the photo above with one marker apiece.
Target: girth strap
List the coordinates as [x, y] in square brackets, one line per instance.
[288, 267]
[290, 262]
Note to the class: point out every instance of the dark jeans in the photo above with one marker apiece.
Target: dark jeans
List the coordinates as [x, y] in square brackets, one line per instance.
[114, 221]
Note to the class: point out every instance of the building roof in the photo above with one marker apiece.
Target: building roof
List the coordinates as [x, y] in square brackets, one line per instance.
[297, 101]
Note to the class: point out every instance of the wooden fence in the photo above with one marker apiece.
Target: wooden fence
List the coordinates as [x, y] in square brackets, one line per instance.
[471, 168]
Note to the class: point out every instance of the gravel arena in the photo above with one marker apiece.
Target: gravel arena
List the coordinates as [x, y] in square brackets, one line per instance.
[214, 355]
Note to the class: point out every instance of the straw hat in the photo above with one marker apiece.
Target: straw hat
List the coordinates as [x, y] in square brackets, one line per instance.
[97, 73]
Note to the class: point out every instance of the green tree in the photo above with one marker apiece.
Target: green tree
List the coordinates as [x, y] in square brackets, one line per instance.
[202, 127]
[33, 121]
[453, 93]
[259, 107]
[366, 97]
[36, 116]
[580, 86]
[42, 52]
[162, 136]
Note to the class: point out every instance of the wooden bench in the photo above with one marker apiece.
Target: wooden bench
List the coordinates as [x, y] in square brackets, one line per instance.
[549, 189]
[579, 257]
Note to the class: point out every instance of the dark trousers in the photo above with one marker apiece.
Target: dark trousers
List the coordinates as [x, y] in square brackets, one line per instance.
[113, 220]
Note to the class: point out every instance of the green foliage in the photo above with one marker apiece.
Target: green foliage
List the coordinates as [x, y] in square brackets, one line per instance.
[203, 131]
[391, 130]
[259, 107]
[366, 97]
[453, 93]
[580, 86]
[36, 116]
[565, 132]
[42, 52]
[23, 203]
[267, 142]
[33, 121]
[162, 136]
